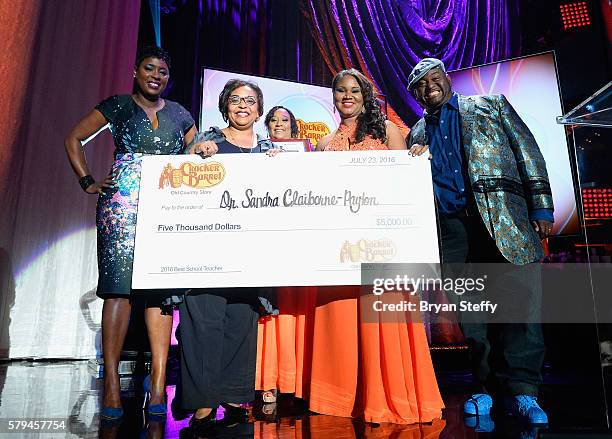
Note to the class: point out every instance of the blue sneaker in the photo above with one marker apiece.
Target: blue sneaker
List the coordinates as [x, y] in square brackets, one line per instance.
[526, 407]
[479, 404]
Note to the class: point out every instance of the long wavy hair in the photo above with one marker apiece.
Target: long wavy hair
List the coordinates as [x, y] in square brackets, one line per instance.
[372, 120]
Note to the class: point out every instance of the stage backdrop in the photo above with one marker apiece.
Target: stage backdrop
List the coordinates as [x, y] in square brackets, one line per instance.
[81, 52]
[386, 38]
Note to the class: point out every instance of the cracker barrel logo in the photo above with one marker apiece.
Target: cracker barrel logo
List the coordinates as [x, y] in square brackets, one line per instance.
[196, 175]
[367, 250]
[312, 130]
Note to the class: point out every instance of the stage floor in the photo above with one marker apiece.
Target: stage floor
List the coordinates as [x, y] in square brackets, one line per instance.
[67, 391]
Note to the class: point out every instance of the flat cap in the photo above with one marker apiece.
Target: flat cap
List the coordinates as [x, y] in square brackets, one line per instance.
[421, 69]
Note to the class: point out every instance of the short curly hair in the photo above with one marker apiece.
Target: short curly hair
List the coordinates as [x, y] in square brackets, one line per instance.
[229, 88]
[372, 121]
[152, 52]
[292, 120]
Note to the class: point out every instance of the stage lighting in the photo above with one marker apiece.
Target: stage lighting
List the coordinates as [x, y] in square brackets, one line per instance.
[575, 15]
[597, 203]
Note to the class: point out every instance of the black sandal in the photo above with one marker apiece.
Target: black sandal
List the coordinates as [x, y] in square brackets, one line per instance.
[237, 413]
[202, 426]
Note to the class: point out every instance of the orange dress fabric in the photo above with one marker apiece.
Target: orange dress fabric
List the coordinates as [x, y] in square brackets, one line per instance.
[380, 371]
[344, 140]
[284, 343]
[328, 427]
[377, 371]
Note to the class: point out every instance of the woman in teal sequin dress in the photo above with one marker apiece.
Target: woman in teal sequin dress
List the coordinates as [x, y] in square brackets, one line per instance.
[141, 124]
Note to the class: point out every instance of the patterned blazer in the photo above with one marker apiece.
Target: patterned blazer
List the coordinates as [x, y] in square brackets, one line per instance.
[506, 171]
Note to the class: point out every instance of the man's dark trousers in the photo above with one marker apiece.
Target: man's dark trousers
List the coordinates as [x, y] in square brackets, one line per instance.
[506, 357]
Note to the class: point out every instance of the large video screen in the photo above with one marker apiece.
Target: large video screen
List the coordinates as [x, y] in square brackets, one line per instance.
[311, 105]
[531, 86]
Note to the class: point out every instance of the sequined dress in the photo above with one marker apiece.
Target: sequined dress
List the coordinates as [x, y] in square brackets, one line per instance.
[134, 137]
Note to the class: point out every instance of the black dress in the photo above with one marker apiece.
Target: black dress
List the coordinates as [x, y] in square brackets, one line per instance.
[134, 137]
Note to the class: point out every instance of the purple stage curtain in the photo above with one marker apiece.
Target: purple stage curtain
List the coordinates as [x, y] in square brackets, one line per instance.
[386, 38]
[258, 37]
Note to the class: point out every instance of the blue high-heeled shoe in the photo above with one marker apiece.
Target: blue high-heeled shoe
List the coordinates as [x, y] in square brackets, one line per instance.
[111, 413]
[152, 409]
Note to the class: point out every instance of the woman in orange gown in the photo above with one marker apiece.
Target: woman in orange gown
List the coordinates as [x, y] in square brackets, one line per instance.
[377, 371]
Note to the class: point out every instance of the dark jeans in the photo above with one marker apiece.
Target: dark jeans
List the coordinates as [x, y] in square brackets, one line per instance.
[218, 350]
[506, 357]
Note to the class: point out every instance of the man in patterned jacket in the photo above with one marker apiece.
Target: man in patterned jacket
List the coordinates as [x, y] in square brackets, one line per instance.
[494, 205]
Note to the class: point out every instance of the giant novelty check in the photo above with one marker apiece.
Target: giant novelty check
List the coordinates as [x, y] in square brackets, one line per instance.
[246, 220]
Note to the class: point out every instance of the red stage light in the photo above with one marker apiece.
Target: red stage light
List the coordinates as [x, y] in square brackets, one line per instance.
[574, 15]
[597, 203]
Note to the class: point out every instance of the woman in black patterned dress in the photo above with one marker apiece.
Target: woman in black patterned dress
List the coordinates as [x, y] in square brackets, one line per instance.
[141, 124]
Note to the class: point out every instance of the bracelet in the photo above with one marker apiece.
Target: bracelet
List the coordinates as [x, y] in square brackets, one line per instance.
[86, 181]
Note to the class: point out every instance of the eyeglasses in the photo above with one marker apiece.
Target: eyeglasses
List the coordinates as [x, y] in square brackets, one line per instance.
[235, 100]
